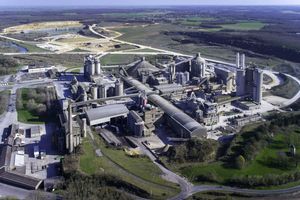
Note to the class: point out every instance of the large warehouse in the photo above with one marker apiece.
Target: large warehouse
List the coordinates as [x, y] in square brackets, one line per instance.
[105, 113]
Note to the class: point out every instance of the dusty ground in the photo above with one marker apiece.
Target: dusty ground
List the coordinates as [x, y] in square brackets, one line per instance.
[43, 25]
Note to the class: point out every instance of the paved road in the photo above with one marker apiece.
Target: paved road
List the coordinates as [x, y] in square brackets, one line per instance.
[296, 97]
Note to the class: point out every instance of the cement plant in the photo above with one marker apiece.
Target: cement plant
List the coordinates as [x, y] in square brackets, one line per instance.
[129, 120]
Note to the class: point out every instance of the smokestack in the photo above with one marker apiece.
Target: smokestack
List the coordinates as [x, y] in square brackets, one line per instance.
[243, 62]
[237, 60]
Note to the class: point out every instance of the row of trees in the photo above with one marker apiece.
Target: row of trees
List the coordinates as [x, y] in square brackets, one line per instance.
[80, 186]
[38, 101]
[7, 65]
[265, 180]
[194, 150]
[4, 99]
[245, 146]
[34, 100]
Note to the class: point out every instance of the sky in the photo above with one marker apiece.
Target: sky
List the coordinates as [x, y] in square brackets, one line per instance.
[26, 3]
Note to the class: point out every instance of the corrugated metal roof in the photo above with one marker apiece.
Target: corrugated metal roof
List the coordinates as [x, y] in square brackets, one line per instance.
[106, 111]
[20, 180]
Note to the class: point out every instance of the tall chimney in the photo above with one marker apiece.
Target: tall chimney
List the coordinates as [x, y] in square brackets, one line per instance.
[243, 62]
[237, 60]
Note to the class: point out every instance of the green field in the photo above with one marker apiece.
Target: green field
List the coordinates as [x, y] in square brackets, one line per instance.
[258, 166]
[195, 21]
[66, 60]
[117, 59]
[244, 26]
[24, 115]
[140, 167]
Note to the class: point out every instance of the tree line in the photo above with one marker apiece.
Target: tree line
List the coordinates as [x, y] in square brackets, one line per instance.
[194, 150]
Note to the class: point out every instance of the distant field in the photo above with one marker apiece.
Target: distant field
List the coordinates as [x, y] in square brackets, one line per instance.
[66, 60]
[42, 25]
[195, 21]
[244, 26]
[134, 14]
[116, 59]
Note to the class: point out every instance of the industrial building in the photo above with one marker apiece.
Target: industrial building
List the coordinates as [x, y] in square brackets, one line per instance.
[142, 69]
[9, 162]
[226, 76]
[38, 69]
[242, 121]
[136, 124]
[105, 113]
[249, 83]
[183, 125]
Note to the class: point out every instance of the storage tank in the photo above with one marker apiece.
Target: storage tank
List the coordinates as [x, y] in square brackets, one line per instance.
[139, 129]
[92, 68]
[98, 67]
[102, 91]
[94, 92]
[84, 96]
[119, 87]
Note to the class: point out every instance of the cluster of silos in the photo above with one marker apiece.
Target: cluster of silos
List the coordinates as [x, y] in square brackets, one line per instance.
[249, 82]
[100, 91]
[92, 66]
[182, 77]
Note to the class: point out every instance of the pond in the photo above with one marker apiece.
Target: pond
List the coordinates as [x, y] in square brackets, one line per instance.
[19, 48]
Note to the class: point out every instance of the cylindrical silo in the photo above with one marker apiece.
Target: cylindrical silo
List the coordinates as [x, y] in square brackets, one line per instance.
[93, 68]
[119, 88]
[139, 129]
[94, 92]
[102, 91]
[84, 96]
[98, 67]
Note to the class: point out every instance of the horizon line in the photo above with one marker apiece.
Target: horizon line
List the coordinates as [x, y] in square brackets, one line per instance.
[146, 5]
